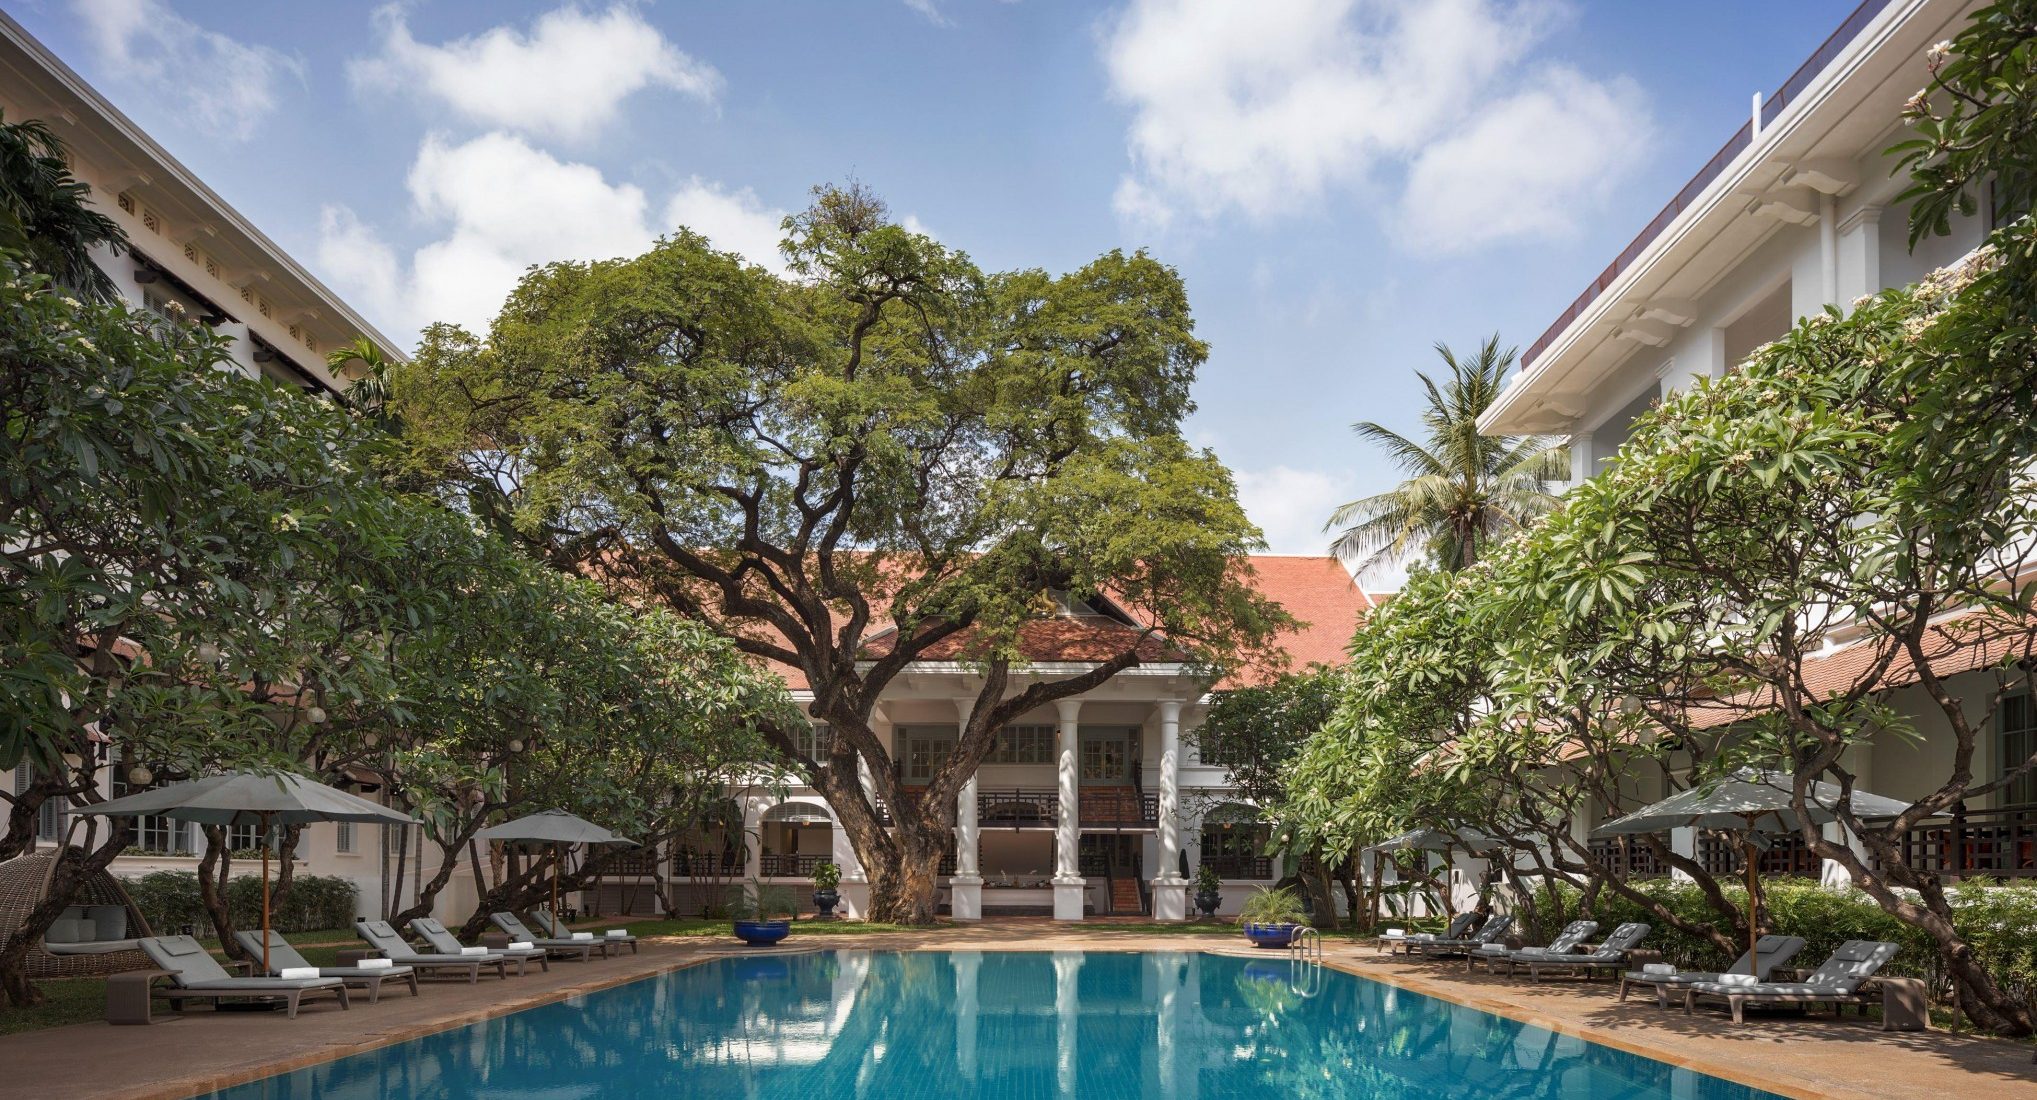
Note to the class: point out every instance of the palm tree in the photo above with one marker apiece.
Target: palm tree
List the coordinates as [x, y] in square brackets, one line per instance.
[1463, 489]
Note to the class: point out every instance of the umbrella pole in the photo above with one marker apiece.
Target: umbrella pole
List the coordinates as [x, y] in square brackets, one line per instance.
[557, 856]
[265, 893]
[1753, 912]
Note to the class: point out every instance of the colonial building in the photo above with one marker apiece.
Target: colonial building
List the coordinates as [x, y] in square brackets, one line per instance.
[1796, 213]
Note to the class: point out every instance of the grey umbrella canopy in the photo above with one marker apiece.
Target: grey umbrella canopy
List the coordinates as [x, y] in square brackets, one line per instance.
[1751, 803]
[557, 828]
[251, 798]
[1422, 840]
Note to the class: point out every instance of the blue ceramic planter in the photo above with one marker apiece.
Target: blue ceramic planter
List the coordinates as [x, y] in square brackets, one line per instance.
[762, 933]
[1271, 935]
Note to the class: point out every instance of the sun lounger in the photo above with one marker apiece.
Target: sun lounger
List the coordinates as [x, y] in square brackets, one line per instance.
[564, 949]
[1489, 932]
[282, 957]
[383, 937]
[1565, 943]
[436, 937]
[1835, 982]
[1459, 926]
[199, 976]
[561, 932]
[1773, 951]
[1609, 957]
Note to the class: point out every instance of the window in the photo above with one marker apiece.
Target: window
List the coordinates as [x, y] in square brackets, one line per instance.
[1023, 745]
[242, 838]
[2017, 720]
[1211, 748]
[926, 750]
[343, 837]
[49, 819]
[153, 833]
[817, 740]
[1106, 756]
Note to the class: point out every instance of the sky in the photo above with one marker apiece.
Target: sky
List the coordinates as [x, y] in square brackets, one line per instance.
[1341, 183]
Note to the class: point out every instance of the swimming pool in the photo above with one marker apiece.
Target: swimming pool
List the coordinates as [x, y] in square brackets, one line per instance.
[986, 1025]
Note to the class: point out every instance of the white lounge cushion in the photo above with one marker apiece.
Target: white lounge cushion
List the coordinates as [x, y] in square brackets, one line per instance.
[583, 935]
[618, 933]
[523, 945]
[376, 964]
[473, 951]
[297, 973]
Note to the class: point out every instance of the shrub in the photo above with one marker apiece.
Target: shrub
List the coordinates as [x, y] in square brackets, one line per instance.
[1206, 878]
[169, 899]
[760, 902]
[1999, 921]
[826, 876]
[1273, 907]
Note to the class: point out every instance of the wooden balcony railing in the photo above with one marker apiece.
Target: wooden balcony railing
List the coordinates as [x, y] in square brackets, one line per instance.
[2000, 843]
[1235, 866]
[1017, 809]
[1787, 855]
[1118, 808]
[772, 864]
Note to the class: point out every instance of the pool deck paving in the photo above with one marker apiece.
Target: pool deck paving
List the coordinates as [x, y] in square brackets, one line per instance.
[1812, 1057]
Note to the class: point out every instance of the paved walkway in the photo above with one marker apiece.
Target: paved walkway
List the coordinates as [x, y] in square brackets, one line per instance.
[1814, 1057]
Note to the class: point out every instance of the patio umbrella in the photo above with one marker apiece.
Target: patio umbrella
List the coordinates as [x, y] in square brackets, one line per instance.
[1752, 803]
[251, 798]
[1423, 840]
[557, 828]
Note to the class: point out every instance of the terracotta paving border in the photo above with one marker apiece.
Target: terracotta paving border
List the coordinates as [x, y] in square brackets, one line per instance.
[1814, 1058]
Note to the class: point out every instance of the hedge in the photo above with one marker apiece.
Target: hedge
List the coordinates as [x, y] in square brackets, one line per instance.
[1999, 921]
[169, 899]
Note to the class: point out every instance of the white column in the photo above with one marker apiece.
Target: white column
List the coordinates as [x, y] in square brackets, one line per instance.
[1683, 842]
[1170, 890]
[1581, 465]
[1859, 255]
[965, 886]
[1070, 888]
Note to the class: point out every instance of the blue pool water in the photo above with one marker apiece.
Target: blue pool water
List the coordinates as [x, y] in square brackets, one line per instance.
[838, 1025]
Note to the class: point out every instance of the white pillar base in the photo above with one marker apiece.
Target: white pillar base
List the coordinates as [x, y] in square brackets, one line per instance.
[1070, 899]
[965, 897]
[855, 903]
[1170, 898]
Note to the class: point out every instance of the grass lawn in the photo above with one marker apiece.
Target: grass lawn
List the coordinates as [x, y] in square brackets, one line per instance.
[71, 1001]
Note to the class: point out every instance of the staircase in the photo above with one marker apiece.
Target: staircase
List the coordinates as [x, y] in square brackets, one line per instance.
[1124, 896]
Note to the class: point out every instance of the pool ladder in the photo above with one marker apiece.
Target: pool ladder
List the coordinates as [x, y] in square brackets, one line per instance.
[1307, 944]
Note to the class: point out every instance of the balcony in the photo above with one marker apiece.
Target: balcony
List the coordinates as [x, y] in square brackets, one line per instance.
[1040, 808]
[1017, 809]
[774, 865]
[1997, 843]
[1118, 808]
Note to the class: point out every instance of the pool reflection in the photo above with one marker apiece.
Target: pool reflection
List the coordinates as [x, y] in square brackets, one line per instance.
[996, 1025]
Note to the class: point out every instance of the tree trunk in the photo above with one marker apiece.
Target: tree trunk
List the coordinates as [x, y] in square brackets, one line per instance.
[287, 839]
[74, 867]
[215, 872]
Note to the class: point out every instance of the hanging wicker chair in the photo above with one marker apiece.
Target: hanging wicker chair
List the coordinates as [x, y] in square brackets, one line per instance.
[24, 882]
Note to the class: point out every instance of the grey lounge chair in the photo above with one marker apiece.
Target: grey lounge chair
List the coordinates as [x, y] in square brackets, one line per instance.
[1609, 957]
[561, 932]
[1489, 932]
[1836, 982]
[1458, 927]
[564, 949]
[1773, 951]
[383, 937]
[444, 942]
[200, 977]
[282, 956]
[1565, 943]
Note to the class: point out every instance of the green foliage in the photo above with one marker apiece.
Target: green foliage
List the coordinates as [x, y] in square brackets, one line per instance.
[1206, 878]
[46, 217]
[315, 903]
[756, 901]
[1269, 906]
[1975, 123]
[1465, 490]
[1255, 730]
[826, 876]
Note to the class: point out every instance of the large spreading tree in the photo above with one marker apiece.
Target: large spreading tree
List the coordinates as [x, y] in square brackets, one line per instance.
[887, 440]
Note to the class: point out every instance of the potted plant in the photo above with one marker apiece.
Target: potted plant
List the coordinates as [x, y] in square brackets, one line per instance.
[763, 914]
[826, 877]
[1272, 918]
[1208, 894]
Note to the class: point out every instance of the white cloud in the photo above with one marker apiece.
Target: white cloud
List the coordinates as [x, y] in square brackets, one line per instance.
[224, 86]
[492, 231]
[1290, 505]
[736, 221]
[1266, 108]
[566, 78]
[931, 9]
[1528, 167]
